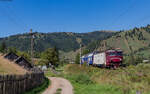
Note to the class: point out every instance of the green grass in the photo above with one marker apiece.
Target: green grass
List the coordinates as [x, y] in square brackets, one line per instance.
[145, 53]
[48, 73]
[39, 89]
[58, 91]
[95, 89]
[121, 81]
[92, 80]
[84, 85]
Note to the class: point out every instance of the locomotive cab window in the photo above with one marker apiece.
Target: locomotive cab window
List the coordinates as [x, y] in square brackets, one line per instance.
[111, 53]
[119, 54]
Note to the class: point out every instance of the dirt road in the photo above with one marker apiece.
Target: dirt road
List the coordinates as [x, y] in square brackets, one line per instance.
[57, 83]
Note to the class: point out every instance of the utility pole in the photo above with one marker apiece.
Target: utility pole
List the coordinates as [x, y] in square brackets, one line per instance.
[105, 46]
[80, 53]
[31, 33]
[96, 47]
[100, 47]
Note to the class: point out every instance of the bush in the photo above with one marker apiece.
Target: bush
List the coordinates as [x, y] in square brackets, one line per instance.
[81, 78]
[128, 79]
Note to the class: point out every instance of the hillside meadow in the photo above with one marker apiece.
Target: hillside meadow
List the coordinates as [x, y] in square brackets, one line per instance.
[135, 41]
[93, 80]
[120, 81]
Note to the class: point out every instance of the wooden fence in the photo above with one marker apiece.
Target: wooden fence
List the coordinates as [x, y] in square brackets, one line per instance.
[17, 84]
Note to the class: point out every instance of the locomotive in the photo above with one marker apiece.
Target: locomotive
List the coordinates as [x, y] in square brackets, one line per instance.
[108, 58]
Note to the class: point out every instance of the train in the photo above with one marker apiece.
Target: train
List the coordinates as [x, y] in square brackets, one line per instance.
[110, 58]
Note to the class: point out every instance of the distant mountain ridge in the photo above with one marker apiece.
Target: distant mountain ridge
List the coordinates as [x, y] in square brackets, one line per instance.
[64, 41]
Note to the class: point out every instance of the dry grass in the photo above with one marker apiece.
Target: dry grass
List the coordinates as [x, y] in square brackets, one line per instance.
[129, 79]
[7, 67]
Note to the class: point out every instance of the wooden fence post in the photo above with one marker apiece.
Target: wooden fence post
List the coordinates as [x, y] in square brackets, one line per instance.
[1, 84]
[17, 84]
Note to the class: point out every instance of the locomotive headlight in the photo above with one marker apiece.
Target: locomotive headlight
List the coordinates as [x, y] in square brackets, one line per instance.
[120, 59]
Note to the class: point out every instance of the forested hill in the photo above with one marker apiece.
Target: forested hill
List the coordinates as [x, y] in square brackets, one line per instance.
[135, 41]
[65, 41]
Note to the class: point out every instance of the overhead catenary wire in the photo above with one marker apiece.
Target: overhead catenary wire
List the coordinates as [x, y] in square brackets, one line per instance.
[17, 17]
[8, 12]
[140, 20]
[13, 18]
[124, 12]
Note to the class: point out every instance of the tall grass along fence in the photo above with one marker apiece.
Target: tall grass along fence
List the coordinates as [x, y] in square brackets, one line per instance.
[17, 84]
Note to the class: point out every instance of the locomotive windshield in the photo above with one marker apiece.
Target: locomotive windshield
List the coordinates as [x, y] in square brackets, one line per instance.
[111, 53]
[115, 54]
[119, 54]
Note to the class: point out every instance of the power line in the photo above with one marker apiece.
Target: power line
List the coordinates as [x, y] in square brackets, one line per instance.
[123, 12]
[32, 44]
[140, 20]
[11, 10]
[13, 19]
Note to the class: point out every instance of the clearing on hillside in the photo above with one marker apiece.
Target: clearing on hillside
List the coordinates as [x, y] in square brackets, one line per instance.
[7, 67]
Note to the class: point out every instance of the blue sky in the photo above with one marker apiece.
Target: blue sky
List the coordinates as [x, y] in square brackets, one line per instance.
[18, 16]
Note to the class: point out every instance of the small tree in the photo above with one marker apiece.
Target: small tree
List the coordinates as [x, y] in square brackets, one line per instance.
[12, 49]
[50, 55]
[64, 61]
[138, 60]
[77, 59]
[56, 55]
[128, 60]
[85, 51]
[3, 47]
[25, 55]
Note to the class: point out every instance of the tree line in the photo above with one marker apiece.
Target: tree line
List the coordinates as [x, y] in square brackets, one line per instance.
[48, 57]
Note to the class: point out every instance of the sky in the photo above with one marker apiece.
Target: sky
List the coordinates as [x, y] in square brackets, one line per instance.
[19, 16]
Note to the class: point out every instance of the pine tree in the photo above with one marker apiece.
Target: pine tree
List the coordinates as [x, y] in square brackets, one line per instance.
[77, 60]
[3, 47]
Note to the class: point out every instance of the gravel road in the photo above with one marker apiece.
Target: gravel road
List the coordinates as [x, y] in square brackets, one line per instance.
[57, 83]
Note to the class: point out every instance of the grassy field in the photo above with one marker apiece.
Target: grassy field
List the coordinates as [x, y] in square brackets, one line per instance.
[92, 80]
[121, 81]
[95, 89]
[7, 67]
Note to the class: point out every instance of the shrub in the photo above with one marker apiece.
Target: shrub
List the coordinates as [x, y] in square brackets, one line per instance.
[83, 79]
[80, 78]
